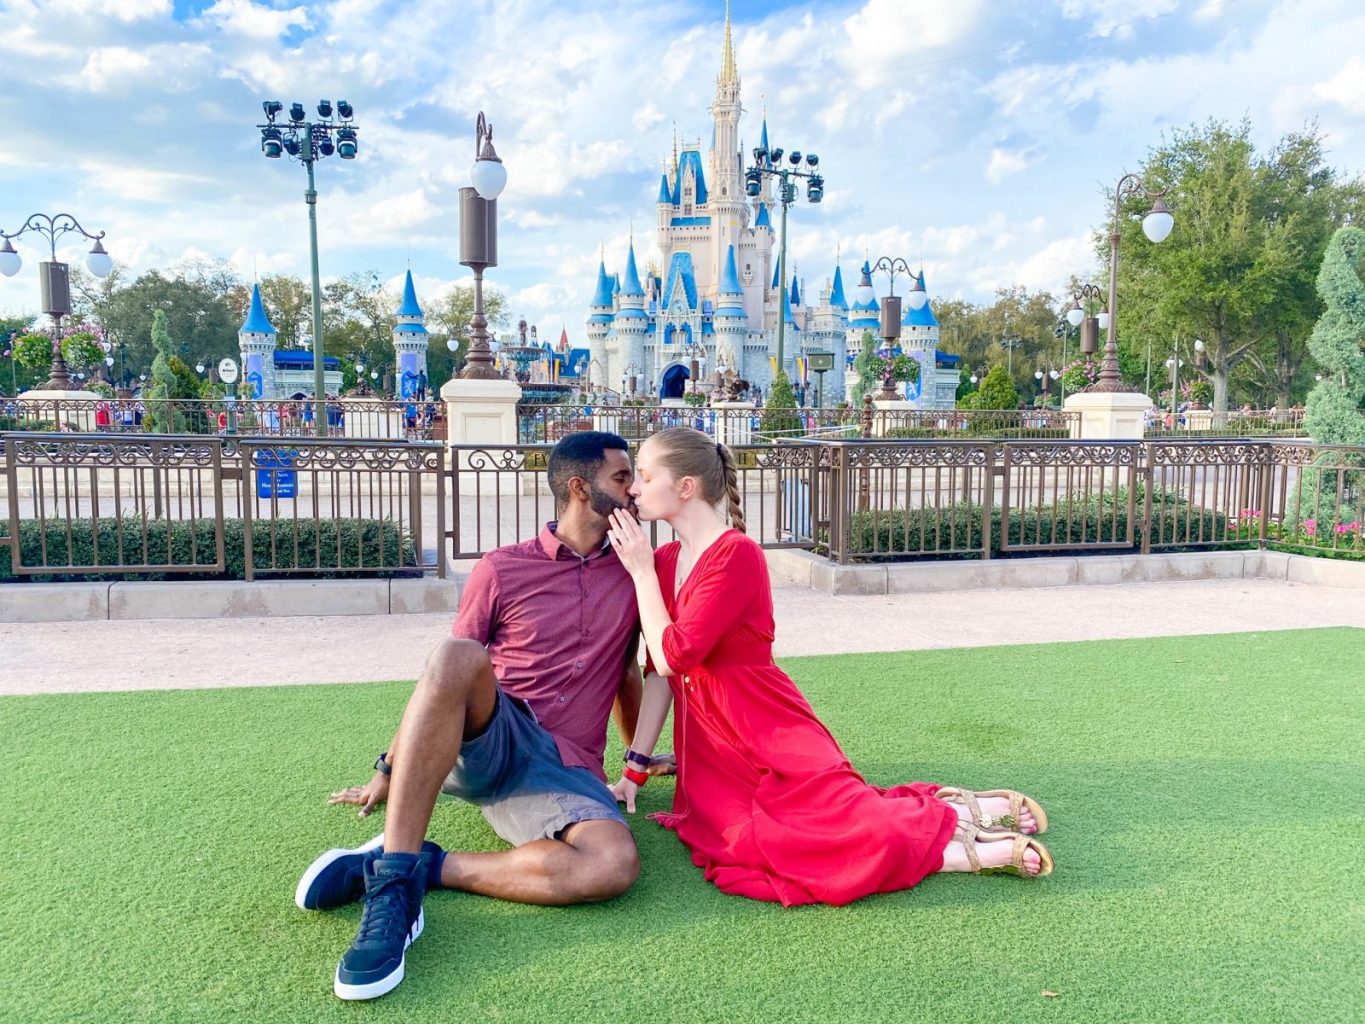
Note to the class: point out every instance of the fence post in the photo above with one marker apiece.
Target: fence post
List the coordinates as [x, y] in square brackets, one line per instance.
[1263, 495]
[248, 493]
[1149, 475]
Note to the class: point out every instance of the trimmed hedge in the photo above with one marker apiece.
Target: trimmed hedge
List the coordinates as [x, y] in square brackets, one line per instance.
[981, 430]
[900, 534]
[191, 543]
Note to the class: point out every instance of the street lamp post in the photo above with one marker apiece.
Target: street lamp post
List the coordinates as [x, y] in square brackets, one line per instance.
[54, 279]
[768, 164]
[308, 142]
[891, 311]
[479, 242]
[1090, 326]
[1156, 225]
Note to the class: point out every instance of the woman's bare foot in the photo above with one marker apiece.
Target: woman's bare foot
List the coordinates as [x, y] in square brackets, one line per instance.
[995, 808]
[991, 855]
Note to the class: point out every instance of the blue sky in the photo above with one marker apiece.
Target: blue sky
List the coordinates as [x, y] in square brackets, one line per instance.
[978, 135]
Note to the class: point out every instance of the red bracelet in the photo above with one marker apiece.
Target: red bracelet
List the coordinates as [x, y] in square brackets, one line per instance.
[639, 778]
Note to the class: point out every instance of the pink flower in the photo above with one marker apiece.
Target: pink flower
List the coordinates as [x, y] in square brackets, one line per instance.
[1310, 527]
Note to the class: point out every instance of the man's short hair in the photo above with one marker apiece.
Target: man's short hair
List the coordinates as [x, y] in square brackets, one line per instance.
[580, 454]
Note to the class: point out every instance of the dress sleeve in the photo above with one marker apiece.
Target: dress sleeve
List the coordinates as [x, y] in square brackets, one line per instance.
[478, 605]
[720, 598]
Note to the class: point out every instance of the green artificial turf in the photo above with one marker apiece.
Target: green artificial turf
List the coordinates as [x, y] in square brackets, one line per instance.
[1205, 795]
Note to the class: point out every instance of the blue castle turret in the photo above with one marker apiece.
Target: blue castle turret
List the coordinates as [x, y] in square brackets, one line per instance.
[410, 342]
[256, 341]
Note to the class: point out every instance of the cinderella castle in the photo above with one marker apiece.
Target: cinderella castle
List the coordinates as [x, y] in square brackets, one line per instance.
[719, 295]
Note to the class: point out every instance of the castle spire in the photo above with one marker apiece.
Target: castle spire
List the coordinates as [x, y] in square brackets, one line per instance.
[729, 73]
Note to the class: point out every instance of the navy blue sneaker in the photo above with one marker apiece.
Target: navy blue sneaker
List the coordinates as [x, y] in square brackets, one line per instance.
[392, 920]
[338, 876]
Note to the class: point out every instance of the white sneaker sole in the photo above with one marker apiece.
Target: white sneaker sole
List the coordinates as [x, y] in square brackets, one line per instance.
[326, 860]
[389, 982]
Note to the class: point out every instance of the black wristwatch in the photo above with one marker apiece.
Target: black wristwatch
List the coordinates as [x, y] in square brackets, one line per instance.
[380, 765]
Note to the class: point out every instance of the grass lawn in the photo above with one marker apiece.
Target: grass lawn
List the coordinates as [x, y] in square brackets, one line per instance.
[1205, 796]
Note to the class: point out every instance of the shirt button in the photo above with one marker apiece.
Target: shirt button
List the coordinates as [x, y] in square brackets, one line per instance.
[577, 664]
[562, 699]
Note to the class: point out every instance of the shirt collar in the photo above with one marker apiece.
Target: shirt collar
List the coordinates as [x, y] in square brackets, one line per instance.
[553, 546]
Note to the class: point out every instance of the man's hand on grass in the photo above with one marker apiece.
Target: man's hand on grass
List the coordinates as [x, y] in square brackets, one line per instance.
[663, 764]
[368, 796]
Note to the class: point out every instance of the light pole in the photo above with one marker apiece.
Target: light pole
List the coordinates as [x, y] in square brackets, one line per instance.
[54, 281]
[1156, 225]
[308, 142]
[891, 311]
[1174, 364]
[768, 164]
[1083, 297]
[696, 363]
[479, 242]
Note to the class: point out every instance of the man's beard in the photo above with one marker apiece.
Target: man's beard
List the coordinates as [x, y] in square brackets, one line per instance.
[604, 504]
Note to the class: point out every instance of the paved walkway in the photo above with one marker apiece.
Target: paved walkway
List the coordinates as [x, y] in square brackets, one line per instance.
[112, 655]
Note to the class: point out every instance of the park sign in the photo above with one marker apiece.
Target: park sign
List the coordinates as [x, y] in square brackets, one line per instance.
[227, 371]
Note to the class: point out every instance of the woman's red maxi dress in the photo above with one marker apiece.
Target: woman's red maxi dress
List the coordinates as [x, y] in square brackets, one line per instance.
[766, 801]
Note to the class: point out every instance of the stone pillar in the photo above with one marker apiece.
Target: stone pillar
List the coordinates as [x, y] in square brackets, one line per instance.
[734, 422]
[1109, 415]
[482, 412]
[882, 423]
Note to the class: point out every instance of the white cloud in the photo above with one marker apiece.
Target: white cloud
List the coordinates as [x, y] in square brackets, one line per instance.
[1346, 87]
[1116, 17]
[121, 10]
[107, 65]
[254, 21]
[884, 33]
[1004, 162]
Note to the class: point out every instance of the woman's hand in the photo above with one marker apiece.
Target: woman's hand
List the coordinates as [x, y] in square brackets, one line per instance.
[630, 543]
[625, 791]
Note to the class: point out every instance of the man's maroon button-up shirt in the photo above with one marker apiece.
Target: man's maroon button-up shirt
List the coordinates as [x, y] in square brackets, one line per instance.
[560, 630]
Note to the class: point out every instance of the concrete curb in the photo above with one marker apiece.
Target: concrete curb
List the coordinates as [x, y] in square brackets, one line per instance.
[218, 599]
[81, 602]
[808, 570]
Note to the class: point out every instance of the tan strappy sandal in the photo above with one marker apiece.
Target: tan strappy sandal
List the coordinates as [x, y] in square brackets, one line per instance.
[970, 835]
[1018, 801]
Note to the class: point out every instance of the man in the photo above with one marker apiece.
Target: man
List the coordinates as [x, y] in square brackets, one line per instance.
[510, 713]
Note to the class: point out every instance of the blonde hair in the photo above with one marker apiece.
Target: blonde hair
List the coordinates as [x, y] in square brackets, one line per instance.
[687, 452]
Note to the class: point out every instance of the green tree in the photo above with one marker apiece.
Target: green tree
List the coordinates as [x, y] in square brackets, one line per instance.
[865, 369]
[164, 386]
[997, 390]
[449, 316]
[200, 319]
[1237, 269]
[1338, 344]
[780, 418]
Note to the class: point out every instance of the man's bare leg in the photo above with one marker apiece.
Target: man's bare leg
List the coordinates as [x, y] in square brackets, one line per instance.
[453, 700]
[596, 860]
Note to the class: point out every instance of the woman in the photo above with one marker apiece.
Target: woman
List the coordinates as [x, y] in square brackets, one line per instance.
[766, 801]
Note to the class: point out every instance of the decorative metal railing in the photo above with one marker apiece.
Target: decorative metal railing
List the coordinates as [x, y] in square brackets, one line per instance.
[93, 506]
[371, 419]
[97, 505]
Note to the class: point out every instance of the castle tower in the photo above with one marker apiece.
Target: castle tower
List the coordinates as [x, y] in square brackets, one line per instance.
[730, 321]
[728, 211]
[256, 342]
[602, 313]
[632, 324]
[410, 343]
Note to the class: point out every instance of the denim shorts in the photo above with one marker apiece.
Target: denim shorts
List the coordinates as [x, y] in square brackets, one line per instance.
[513, 773]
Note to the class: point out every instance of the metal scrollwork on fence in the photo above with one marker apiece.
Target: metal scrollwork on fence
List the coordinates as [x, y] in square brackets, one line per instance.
[65, 450]
[917, 454]
[1042, 453]
[1244, 453]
